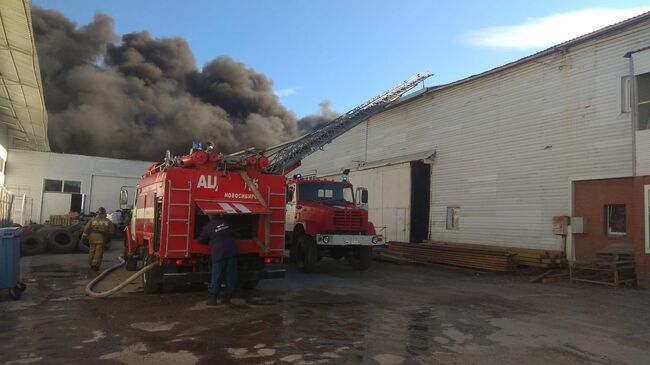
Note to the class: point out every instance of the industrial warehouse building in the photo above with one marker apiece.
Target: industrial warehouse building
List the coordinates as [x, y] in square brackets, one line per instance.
[493, 158]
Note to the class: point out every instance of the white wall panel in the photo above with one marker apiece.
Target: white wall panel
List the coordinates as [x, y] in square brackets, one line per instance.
[389, 197]
[105, 191]
[508, 143]
[641, 62]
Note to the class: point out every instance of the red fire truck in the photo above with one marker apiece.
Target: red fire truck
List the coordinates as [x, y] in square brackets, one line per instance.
[322, 219]
[175, 197]
[174, 200]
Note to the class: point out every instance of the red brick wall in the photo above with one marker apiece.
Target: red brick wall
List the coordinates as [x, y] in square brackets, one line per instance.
[590, 199]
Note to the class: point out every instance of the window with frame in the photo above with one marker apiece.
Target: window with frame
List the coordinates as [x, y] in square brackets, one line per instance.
[71, 186]
[643, 101]
[52, 185]
[61, 186]
[453, 218]
[615, 219]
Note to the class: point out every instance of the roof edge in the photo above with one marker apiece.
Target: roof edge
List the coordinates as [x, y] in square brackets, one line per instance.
[561, 47]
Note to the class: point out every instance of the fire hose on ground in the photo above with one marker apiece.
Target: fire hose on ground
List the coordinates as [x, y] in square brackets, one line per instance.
[122, 285]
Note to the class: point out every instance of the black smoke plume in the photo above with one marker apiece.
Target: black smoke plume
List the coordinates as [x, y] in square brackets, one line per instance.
[135, 96]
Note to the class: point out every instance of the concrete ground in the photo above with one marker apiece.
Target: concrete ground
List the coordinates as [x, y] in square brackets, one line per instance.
[389, 314]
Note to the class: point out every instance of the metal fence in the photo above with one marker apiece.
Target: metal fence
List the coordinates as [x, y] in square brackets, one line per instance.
[6, 207]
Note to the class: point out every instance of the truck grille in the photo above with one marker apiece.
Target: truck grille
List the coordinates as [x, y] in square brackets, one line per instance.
[348, 220]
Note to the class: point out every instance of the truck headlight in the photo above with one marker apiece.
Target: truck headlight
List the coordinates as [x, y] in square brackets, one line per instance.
[326, 239]
[376, 239]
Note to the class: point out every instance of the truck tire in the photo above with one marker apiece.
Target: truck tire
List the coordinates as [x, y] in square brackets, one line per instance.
[32, 243]
[59, 240]
[361, 258]
[151, 280]
[306, 253]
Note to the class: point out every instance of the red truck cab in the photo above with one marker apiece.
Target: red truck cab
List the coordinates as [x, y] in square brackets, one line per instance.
[323, 219]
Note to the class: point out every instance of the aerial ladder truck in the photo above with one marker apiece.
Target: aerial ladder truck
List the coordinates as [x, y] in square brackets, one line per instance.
[175, 197]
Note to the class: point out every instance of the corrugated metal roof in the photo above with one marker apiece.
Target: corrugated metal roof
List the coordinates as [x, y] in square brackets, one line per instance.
[558, 47]
[22, 107]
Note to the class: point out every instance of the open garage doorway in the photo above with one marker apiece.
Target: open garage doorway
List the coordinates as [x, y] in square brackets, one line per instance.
[420, 200]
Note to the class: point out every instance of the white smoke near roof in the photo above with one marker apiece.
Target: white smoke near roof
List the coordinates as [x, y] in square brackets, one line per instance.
[537, 33]
[286, 92]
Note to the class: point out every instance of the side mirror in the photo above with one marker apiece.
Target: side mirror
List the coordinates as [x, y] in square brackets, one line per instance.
[290, 194]
[364, 196]
[124, 198]
[361, 197]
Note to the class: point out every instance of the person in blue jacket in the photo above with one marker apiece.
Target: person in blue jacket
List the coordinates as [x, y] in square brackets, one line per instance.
[223, 250]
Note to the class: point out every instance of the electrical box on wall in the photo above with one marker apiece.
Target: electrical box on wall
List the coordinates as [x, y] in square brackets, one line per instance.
[578, 225]
[560, 224]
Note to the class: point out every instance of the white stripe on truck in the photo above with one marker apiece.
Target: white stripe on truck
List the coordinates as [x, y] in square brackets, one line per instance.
[227, 208]
[242, 208]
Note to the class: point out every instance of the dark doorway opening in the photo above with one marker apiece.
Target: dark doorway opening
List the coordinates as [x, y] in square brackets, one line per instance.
[76, 203]
[420, 200]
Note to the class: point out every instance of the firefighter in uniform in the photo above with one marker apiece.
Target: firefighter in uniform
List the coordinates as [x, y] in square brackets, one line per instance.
[223, 248]
[98, 231]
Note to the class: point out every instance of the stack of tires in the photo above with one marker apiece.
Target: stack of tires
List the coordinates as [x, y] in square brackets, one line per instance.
[39, 238]
[31, 241]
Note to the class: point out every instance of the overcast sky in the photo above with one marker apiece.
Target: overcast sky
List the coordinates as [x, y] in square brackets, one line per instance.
[349, 51]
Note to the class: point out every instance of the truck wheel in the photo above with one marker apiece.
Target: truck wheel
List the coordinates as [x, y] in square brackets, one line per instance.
[307, 253]
[361, 258]
[151, 279]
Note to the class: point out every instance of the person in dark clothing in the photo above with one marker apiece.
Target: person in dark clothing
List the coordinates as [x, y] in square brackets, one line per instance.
[223, 250]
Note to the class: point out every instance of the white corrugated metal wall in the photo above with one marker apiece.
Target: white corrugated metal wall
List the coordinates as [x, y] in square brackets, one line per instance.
[509, 143]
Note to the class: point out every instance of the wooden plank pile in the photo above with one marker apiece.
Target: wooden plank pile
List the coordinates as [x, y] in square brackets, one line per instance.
[544, 259]
[447, 254]
[613, 266]
[65, 220]
[539, 258]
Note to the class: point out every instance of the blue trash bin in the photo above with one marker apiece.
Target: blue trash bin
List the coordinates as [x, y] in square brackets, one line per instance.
[10, 261]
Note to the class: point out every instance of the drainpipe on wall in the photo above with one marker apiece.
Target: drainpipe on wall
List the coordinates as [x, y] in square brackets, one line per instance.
[633, 108]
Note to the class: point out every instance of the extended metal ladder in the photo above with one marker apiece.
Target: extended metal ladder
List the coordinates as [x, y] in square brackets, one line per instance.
[282, 157]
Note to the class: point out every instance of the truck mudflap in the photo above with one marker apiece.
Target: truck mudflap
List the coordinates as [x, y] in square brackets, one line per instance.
[349, 240]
